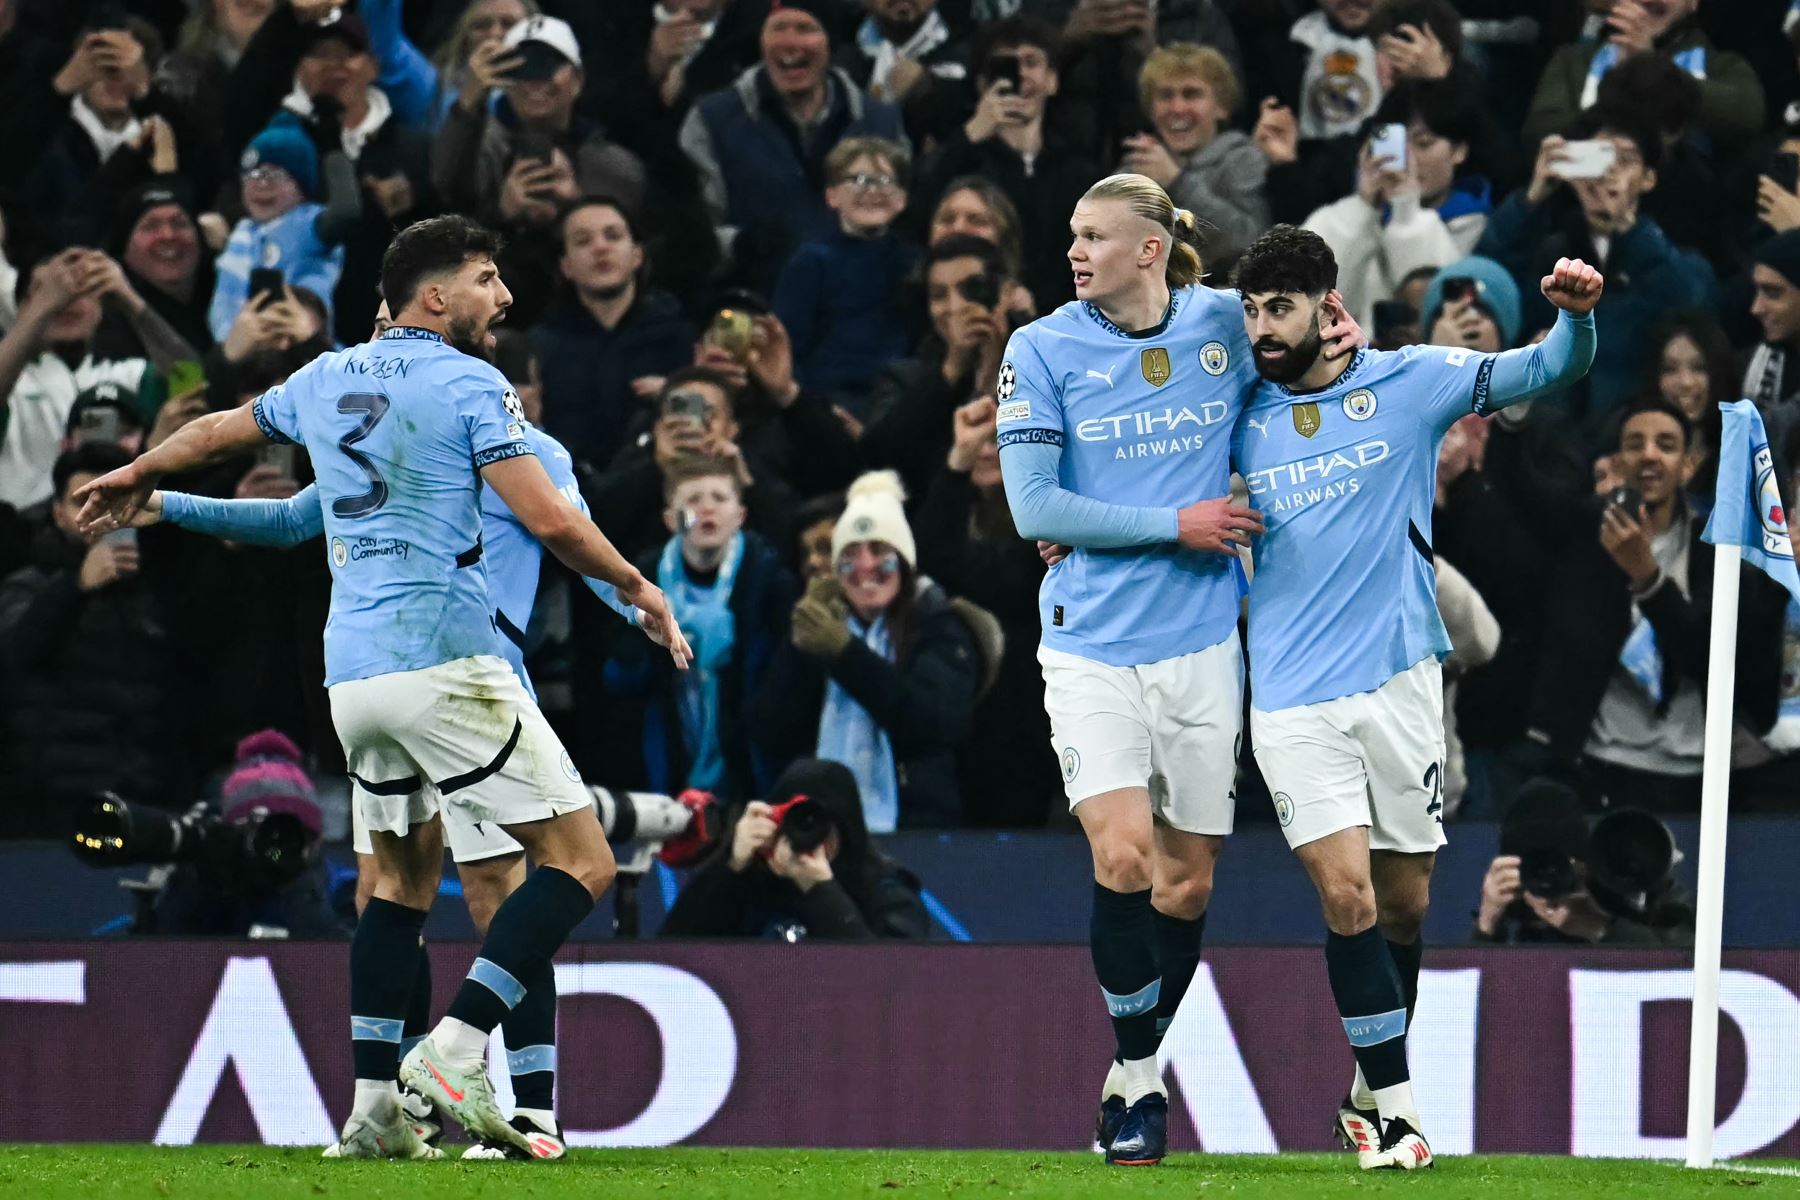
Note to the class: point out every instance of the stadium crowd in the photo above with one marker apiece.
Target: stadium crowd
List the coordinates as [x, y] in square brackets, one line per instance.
[765, 256]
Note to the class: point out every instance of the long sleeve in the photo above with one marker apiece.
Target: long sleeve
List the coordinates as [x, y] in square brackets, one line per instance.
[343, 201]
[1228, 195]
[1731, 97]
[696, 143]
[37, 608]
[1474, 633]
[262, 76]
[831, 913]
[253, 522]
[712, 904]
[407, 76]
[1557, 361]
[1043, 510]
[456, 158]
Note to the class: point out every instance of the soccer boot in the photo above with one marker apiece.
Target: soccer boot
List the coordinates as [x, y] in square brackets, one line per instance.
[545, 1143]
[465, 1092]
[366, 1137]
[1143, 1136]
[1402, 1148]
[1106, 1124]
[426, 1121]
[1357, 1128]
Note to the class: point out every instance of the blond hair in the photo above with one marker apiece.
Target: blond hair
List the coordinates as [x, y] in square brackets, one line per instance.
[1183, 60]
[843, 156]
[1146, 198]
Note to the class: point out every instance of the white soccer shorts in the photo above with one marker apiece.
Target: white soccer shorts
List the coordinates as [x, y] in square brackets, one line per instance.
[1374, 759]
[462, 738]
[1171, 726]
[469, 840]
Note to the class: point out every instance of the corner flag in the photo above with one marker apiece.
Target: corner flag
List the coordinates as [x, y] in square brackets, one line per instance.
[1748, 511]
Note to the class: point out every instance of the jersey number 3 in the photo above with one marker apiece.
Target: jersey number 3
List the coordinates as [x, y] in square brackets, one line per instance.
[373, 406]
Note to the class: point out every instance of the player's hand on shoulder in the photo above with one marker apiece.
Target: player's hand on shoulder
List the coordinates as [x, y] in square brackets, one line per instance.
[1573, 286]
[1217, 525]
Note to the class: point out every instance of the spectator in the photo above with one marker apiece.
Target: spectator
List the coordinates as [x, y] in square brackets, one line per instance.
[814, 523]
[1416, 40]
[1423, 212]
[1621, 684]
[1686, 199]
[1190, 94]
[608, 337]
[90, 669]
[1691, 366]
[158, 244]
[732, 596]
[969, 547]
[490, 154]
[909, 414]
[760, 144]
[284, 227]
[1472, 302]
[668, 55]
[1602, 224]
[1731, 97]
[106, 414]
[422, 89]
[694, 418]
[759, 885]
[880, 672]
[975, 206]
[46, 360]
[212, 40]
[840, 296]
[1550, 882]
[906, 53]
[1008, 141]
[1770, 380]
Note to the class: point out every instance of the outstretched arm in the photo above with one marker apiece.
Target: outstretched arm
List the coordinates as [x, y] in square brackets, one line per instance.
[1558, 360]
[287, 522]
[111, 501]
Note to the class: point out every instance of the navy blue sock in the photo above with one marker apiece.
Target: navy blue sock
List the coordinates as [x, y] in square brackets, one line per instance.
[1124, 949]
[418, 1006]
[1178, 957]
[1407, 956]
[1371, 1002]
[383, 967]
[526, 932]
[530, 1032]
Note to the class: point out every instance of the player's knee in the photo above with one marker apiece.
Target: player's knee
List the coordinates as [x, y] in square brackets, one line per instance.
[1122, 866]
[1403, 921]
[1184, 898]
[1349, 905]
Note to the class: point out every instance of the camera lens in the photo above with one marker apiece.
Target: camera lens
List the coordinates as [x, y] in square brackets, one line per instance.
[806, 826]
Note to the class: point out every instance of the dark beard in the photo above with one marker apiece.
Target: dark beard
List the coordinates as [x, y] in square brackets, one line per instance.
[1299, 361]
[471, 337]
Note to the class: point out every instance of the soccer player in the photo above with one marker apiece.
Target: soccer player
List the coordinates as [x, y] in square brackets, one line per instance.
[490, 864]
[1108, 408]
[402, 431]
[1346, 714]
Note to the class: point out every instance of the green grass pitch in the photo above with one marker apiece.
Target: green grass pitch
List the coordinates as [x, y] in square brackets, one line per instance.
[90, 1172]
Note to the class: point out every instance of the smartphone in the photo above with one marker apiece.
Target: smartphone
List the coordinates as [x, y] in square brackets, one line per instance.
[981, 288]
[1785, 170]
[185, 377]
[120, 537]
[98, 424]
[277, 455]
[534, 145]
[730, 331]
[1627, 498]
[1389, 143]
[1590, 159]
[1459, 289]
[686, 405]
[1003, 68]
[267, 279]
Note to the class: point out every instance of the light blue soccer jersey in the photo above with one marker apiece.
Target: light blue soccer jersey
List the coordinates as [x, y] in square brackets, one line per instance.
[397, 430]
[1142, 420]
[1345, 594]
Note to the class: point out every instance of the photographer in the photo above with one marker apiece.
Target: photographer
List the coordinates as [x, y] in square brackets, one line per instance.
[788, 873]
[1555, 881]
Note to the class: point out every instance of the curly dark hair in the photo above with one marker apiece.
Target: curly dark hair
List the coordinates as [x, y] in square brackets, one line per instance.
[1287, 259]
[431, 247]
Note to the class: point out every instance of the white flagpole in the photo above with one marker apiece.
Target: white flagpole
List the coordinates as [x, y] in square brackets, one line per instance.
[1703, 1049]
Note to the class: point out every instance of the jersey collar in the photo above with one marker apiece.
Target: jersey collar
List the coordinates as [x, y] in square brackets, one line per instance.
[1155, 330]
[1356, 364]
[399, 332]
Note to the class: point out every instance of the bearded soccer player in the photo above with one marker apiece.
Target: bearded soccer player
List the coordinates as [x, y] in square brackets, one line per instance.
[1346, 713]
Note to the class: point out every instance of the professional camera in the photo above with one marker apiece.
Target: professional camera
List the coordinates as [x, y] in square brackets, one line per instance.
[646, 826]
[803, 821]
[261, 853]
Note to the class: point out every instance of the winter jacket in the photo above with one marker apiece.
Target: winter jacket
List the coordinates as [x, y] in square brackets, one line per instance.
[923, 702]
[840, 299]
[1222, 182]
[1378, 249]
[762, 596]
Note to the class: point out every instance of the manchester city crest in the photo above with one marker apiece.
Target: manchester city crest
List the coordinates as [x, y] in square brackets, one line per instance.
[1769, 511]
[1306, 418]
[1071, 764]
[1284, 809]
[1155, 364]
[1360, 404]
[1214, 358]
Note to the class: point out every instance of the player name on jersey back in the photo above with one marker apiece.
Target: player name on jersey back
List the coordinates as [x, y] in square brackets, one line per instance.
[1345, 593]
[1145, 420]
[397, 431]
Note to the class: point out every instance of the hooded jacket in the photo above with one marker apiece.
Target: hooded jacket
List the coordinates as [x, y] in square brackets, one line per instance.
[869, 895]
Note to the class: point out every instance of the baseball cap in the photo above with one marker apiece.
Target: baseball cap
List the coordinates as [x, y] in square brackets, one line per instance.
[86, 419]
[544, 44]
[347, 28]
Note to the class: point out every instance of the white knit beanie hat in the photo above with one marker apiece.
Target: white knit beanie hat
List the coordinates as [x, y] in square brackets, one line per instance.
[875, 511]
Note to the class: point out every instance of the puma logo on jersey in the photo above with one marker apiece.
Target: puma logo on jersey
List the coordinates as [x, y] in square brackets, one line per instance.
[1093, 374]
[1261, 426]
